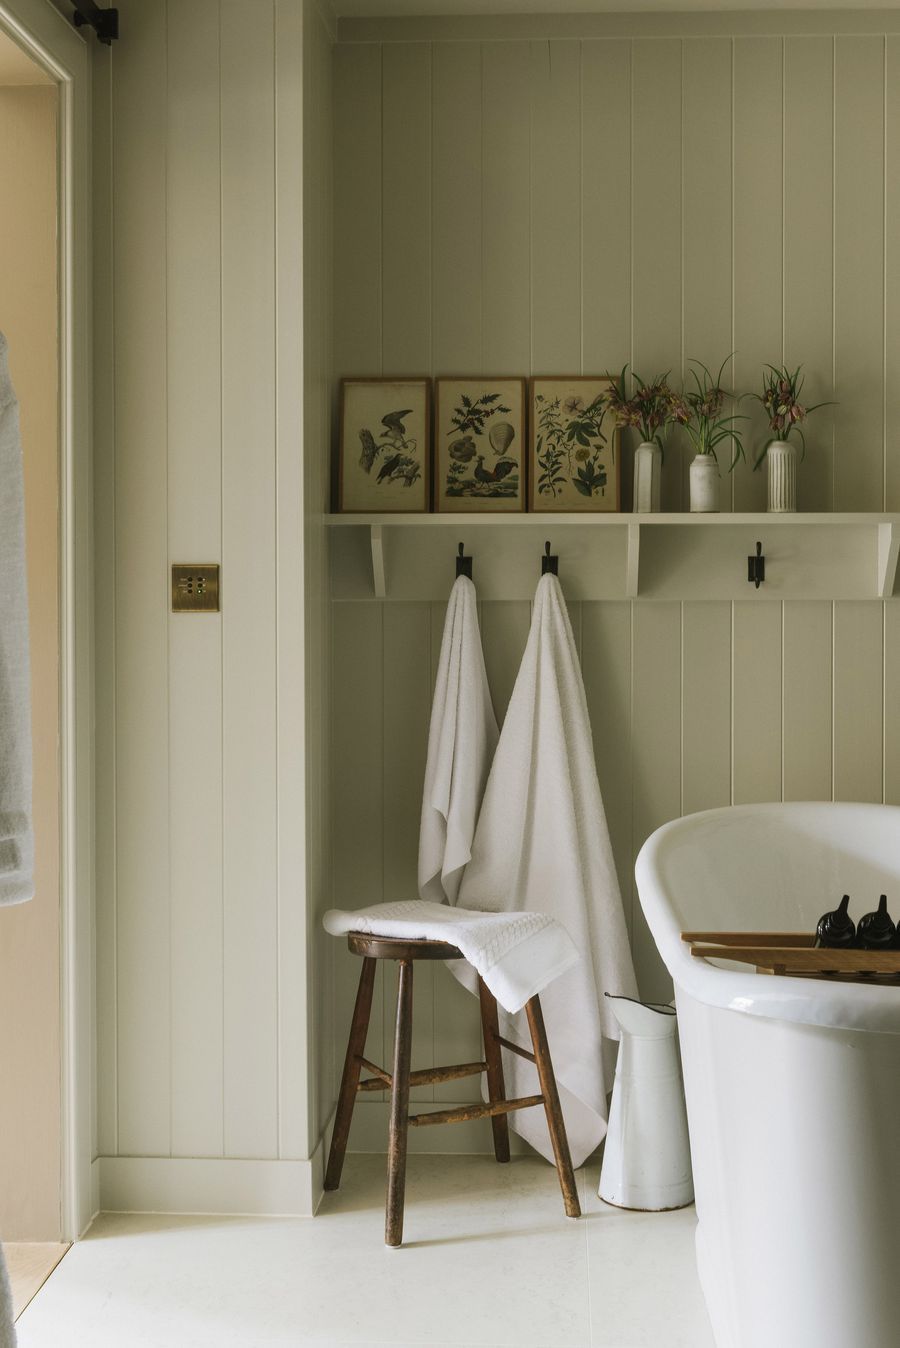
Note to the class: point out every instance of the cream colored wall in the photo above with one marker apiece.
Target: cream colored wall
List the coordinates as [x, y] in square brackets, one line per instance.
[30, 1155]
[554, 196]
[211, 438]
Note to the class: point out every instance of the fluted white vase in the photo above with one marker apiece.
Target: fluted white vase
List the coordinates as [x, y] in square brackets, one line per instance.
[704, 484]
[647, 1156]
[647, 478]
[781, 457]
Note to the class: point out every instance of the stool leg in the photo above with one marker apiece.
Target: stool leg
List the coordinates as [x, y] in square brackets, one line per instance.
[555, 1121]
[490, 1028]
[356, 1046]
[396, 1185]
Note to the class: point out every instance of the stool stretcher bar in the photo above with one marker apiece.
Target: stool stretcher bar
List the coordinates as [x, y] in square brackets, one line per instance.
[463, 1113]
[426, 1077]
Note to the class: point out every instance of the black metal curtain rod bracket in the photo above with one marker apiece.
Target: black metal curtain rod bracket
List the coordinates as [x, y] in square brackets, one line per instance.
[463, 563]
[549, 562]
[105, 22]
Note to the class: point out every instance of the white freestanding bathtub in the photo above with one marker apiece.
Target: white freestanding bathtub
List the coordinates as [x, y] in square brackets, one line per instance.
[793, 1085]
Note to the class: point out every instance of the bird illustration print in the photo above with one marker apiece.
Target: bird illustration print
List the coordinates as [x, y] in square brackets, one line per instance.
[399, 462]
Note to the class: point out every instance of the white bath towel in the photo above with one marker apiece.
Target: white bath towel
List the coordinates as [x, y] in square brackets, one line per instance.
[461, 744]
[542, 843]
[517, 954]
[16, 840]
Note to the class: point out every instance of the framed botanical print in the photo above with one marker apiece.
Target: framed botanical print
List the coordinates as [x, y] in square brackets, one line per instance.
[574, 446]
[480, 446]
[385, 445]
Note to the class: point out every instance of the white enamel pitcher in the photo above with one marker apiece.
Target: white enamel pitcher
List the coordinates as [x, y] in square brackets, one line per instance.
[647, 1158]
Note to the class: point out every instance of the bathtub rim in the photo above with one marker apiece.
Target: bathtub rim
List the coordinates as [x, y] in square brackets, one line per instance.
[844, 1006]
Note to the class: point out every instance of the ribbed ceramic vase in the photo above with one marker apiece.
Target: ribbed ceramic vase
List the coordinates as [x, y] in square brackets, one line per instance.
[781, 457]
[647, 478]
[704, 485]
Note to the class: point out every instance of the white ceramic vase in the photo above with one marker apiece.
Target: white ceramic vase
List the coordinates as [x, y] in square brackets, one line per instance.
[704, 484]
[781, 458]
[647, 478]
[647, 1156]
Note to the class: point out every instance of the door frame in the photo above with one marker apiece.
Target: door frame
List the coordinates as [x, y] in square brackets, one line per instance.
[47, 36]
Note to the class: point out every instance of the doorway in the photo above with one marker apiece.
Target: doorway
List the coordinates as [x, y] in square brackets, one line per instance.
[30, 1055]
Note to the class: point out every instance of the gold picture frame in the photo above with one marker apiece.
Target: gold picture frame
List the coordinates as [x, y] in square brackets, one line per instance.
[384, 445]
[480, 443]
[574, 460]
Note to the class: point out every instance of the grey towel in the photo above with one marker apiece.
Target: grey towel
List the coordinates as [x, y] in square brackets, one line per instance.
[16, 838]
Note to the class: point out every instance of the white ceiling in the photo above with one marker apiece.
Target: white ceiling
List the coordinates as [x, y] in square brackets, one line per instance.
[16, 67]
[371, 9]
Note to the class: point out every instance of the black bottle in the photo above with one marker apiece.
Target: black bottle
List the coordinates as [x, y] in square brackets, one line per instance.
[876, 931]
[836, 929]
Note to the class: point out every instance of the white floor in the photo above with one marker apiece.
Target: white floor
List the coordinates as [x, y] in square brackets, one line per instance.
[490, 1259]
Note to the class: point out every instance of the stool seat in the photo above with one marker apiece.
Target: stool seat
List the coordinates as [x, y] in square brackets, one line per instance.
[392, 948]
[372, 948]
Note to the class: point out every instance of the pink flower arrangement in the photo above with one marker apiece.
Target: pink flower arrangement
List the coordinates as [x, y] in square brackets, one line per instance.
[648, 409]
[781, 400]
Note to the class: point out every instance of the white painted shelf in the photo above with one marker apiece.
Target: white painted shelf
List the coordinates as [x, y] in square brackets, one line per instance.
[608, 556]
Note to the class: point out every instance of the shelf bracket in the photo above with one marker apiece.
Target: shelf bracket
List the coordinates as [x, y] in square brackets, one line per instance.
[377, 541]
[888, 551]
[633, 561]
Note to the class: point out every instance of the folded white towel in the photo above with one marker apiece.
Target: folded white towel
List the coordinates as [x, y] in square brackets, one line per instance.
[542, 843]
[461, 744]
[16, 837]
[517, 954]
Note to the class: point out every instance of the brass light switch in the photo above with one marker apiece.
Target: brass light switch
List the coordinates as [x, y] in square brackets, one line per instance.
[195, 588]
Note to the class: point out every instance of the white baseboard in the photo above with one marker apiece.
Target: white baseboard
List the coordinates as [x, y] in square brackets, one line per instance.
[210, 1185]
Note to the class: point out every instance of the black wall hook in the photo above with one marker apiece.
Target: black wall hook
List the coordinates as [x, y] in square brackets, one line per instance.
[105, 22]
[756, 567]
[549, 562]
[463, 563]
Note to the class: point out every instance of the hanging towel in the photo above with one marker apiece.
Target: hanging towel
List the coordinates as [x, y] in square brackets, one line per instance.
[461, 744]
[16, 841]
[517, 954]
[542, 844]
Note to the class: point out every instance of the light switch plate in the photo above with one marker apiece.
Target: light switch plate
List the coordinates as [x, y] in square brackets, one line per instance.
[195, 587]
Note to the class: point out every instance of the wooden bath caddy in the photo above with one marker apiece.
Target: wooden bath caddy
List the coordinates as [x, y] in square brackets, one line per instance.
[795, 954]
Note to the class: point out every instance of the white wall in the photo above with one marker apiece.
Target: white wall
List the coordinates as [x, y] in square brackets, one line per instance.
[209, 449]
[555, 196]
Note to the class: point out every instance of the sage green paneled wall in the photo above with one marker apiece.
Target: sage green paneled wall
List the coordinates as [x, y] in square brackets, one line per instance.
[519, 205]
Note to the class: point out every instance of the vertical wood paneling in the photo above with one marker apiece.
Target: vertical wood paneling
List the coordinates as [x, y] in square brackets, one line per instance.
[756, 684]
[891, 704]
[858, 693]
[859, 273]
[142, 769]
[892, 275]
[606, 667]
[195, 512]
[357, 743]
[456, 208]
[556, 296]
[303, 147]
[757, 192]
[506, 199]
[105, 802]
[407, 709]
[357, 210]
[656, 224]
[655, 758]
[807, 701]
[504, 632]
[808, 250]
[706, 706]
[248, 560]
[706, 215]
[406, 208]
[605, 204]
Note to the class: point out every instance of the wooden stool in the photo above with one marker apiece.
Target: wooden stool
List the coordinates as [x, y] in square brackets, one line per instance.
[373, 948]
